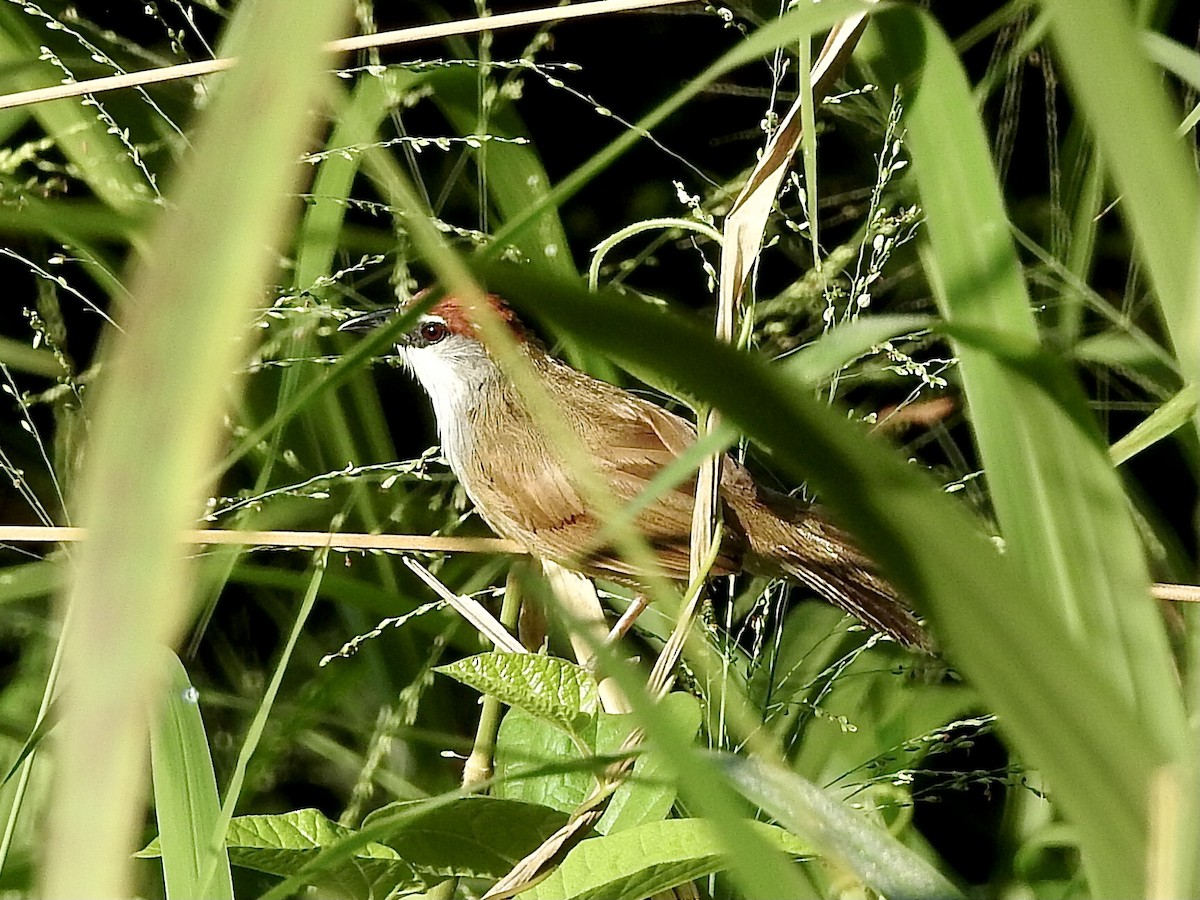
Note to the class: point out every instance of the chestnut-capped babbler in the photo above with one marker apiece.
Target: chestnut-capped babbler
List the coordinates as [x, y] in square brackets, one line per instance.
[524, 491]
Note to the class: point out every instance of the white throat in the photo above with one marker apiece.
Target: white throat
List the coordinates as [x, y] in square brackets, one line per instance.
[458, 375]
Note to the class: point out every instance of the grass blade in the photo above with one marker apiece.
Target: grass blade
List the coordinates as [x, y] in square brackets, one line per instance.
[157, 414]
[185, 794]
[836, 832]
[1134, 124]
[1062, 512]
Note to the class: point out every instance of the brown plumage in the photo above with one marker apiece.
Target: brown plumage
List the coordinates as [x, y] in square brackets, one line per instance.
[523, 490]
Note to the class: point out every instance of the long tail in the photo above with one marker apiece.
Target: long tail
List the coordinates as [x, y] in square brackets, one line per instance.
[797, 543]
[865, 596]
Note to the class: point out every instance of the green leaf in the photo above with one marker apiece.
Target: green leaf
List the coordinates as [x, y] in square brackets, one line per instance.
[1134, 122]
[35, 579]
[1134, 355]
[1046, 471]
[472, 837]
[836, 832]
[158, 407]
[186, 805]
[649, 792]
[1173, 56]
[1161, 423]
[20, 356]
[843, 345]
[645, 860]
[538, 762]
[44, 727]
[1063, 514]
[282, 844]
[528, 744]
[468, 837]
[551, 689]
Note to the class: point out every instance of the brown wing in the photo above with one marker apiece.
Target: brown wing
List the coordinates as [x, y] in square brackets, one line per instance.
[533, 500]
[642, 439]
[524, 492]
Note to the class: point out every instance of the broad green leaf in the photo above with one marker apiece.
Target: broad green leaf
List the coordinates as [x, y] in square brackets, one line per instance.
[282, 844]
[530, 745]
[642, 861]
[186, 805]
[544, 686]
[649, 792]
[538, 762]
[836, 832]
[478, 837]
[343, 849]
[472, 837]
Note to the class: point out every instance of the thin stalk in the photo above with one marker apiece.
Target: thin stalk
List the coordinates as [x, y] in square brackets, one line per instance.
[22, 786]
[479, 765]
[345, 45]
[258, 725]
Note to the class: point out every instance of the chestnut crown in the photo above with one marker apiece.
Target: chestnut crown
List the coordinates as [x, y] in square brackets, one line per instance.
[448, 316]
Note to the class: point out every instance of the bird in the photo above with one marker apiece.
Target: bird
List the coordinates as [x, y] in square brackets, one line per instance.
[520, 485]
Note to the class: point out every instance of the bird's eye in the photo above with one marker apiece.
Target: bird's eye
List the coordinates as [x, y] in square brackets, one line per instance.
[432, 332]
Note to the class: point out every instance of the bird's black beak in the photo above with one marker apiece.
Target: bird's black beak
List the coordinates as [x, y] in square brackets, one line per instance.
[368, 321]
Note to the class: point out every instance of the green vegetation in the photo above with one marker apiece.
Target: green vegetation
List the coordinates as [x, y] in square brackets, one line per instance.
[979, 349]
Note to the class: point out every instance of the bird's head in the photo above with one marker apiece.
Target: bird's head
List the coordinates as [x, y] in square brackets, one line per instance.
[444, 348]
[449, 321]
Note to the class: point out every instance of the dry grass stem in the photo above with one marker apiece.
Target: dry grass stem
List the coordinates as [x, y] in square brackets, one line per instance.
[1180, 593]
[417, 34]
[471, 610]
[416, 543]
